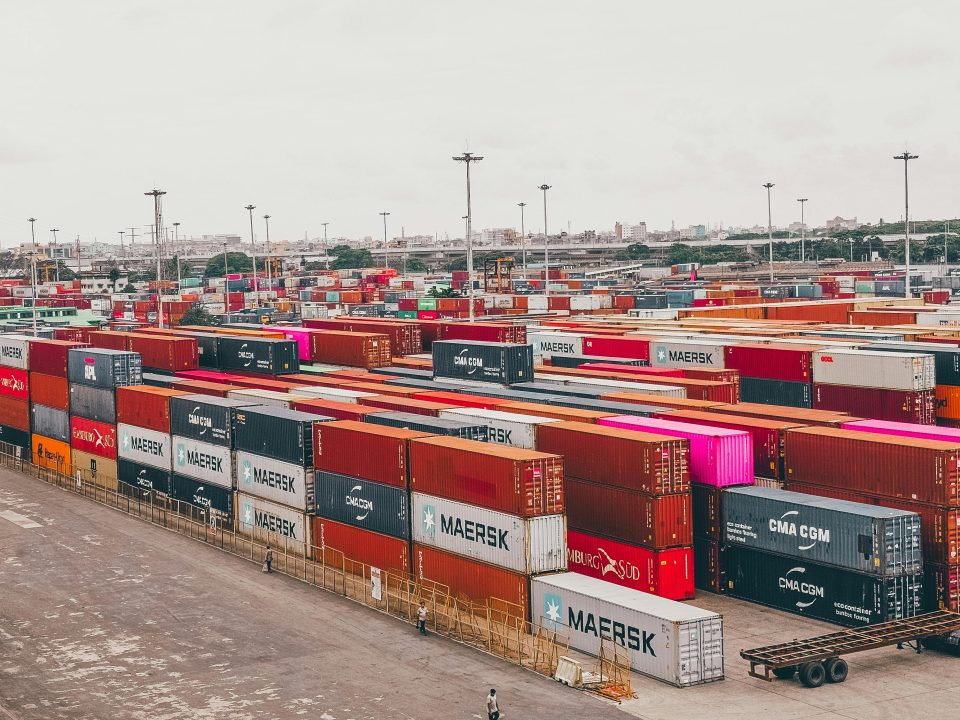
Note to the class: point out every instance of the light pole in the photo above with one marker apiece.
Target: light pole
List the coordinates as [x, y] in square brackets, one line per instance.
[803, 254]
[546, 243]
[770, 228]
[523, 241]
[33, 272]
[386, 261]
[906, 157]
[266, 219]
[253, 244]
[467, 159]
[56, 247]
[326, 252]
[946, 231]
[122, 233]
[226, 269]
[176, 250]
[157, 224]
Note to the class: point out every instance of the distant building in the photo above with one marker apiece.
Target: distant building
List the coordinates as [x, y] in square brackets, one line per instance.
[498, 236]
[839, 223]
[634, 233]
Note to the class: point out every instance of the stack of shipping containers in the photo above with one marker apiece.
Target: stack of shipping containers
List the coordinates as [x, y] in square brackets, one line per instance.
[773, 374]
[145, 449]
[15, 397]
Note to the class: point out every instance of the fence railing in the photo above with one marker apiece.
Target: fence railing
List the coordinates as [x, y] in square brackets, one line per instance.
[497, 626]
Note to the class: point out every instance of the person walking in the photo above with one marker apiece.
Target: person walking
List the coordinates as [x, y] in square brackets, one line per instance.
[268, 560]
[422, 618]
[493, 707]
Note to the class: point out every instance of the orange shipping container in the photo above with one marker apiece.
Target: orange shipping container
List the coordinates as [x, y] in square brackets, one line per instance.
[554, 411]
[50, 453]
[948, 402]
[50, 390]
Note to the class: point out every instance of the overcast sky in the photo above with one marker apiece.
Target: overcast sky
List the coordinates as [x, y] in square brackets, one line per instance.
[315, 111]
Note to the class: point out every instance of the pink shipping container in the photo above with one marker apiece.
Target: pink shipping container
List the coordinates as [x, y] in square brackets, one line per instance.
[636, 348]
[718, 456]
[299, 335]
[888, 427]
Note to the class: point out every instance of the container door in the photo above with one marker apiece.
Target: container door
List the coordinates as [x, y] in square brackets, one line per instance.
[711, 649]
[689, 670]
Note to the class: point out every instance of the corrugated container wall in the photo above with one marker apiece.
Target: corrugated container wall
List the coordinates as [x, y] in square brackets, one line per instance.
[362, 450]
[503, 363]
[363, 503]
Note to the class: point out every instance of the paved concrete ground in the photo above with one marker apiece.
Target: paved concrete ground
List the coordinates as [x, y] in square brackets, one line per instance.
[104, 616]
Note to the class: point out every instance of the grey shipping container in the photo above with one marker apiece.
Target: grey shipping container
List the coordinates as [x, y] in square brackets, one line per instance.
[403, 372]
[259, 355]
[143, 477]
[946, 359]
[50, 422]
[204, 417]
[93, 403]
[285, 435]
[208, 353]
[776, 392]
[158, 380]
[364, 504]
[866, 538]
[503, 363]
[104, 368]
[820, 591]
[425, 423]
[568, 361]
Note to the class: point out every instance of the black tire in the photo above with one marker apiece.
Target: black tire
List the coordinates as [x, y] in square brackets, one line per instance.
[836, 670]
[785, 673]
[812, 674]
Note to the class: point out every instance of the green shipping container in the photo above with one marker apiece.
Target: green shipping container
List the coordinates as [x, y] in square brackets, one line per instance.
[426, 303]
[407, 314]
[333, 296]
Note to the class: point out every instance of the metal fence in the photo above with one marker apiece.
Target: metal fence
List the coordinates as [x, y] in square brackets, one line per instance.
[497, 626]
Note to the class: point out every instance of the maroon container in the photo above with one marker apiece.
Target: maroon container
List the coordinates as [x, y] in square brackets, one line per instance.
[771, 361]
[334, 409]
[882, 465]
[645, 462]
[405, 404]
[15, 413]
[708, 569]
[110, 340]
[484, 332]
[910, 406]
[204, 387]
[462, 399]
[941, 587]
[50, 356]
[356, 549]
[356, 349]
[800, 416]
[497, 477]
[170, 353]
[50, 390]
[630, 517]
[405, 337]
[363, 450]
[146, 406]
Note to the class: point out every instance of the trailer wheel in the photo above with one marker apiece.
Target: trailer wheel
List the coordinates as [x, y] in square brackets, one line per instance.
[785, 673]
[812, 674]
[836, 669]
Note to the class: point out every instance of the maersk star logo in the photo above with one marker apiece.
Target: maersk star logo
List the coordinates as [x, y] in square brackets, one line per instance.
[429, 523]
[247, 472]
[661, 354]
[551, 606]
[181, 454]
[247, 514]
[126, 441]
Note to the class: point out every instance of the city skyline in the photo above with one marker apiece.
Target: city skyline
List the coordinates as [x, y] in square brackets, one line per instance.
[317, 114]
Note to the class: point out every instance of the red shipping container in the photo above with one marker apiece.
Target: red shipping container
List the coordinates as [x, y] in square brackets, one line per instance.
[941, 586]
[882, 465]
[74, 333]
[356, 349]
[644, 462]
[555, 411]
[203, 387]
[49, 390]
[497, 477]
[695, 389]
[381, 389]
[667, 573]
[631, 517]
[634, 370]
[910, 406]
[50, 356]
[635, 348]
[14, 383]
[405, 404]
[334, 409]
[476, 580]
[315, 380]
[480, 331]
[662, 401]
[170, 353]
[110, 340]
[801, 416]
[356, 550]
[94, 437]
[15, 413]
[363, 450]
[461, 399]
[208, 376]
[773, 362]
[146, 406]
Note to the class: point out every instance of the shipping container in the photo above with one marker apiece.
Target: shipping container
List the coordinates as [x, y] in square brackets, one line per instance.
[718, 456]
[680, 352]
[217, 499]
[502, 363]
[285, 435]
[208, 463]
[90, 436]
[637, 348]
[801, 416]
[354, 349]
[674, 642]
[50, 356]
[849, 535]
[49, 390]
[909, 406]
[340, 394]
[94, 403]
[548, 344]
[51, 454]
[363, 503]
[146, 406]
[430, 425]
[280, 482]
[511, 480]
[644, 462]
[776, 392]
[524, 545]
[14, 383]
[268, 522]
[334, 409]
[889, 370]
[709, 572]
[946, 360]
[145, 478]
[50, 422]
[145, 446]
[480, 582]
[168, 353]
[15, 442]
[585, 386]
[564, 413]
[887, 427]
[258, 354]
[358, 550]
[363, 450]
[827, 593]
[707, 503]
[636, 518]
[104, 368]
[205, 418]
[667, 573]
[505, 428]
[15, 351]
[100, 470]
[941, 585]
[15, 413]
[406, 404]
[771, 361]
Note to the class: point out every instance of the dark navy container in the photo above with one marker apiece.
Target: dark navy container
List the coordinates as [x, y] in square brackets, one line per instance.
[278, 433]
[363, 503]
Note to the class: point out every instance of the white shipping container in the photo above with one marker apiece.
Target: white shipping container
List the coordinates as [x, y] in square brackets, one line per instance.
[15, 351]
[654, 314]
[889, 370]
[548, 344]
[670, 641]
[326, 281]
[271, 522]
[215, 308]
[677, 352]
[333, 393]
[145, 446]
[537, 302]
[938, 318]
[606, 302]
[616, 385]
[584, 302]
[505, 428]
[257, 396]
[524, 545]
[280, 482]
[202, 461]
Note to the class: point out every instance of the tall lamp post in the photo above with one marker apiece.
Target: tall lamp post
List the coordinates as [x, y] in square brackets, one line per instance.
[253, 244]
[770, 228]
[157, 225]
[468, 159]
[546, 243]
[906, 157]
[803, 253]
[326, 248]
[176, 250]
[266, 219]
[55, 254]
[523, 241]
[386, 258]
[33, 272]
[226, 268]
